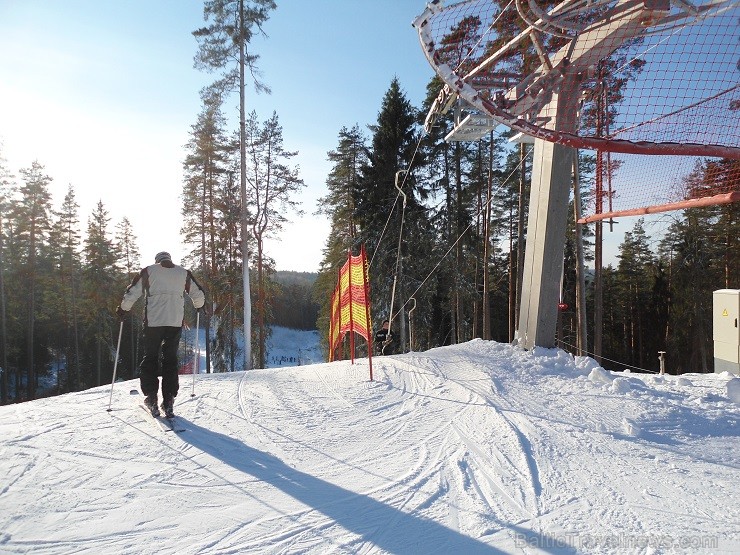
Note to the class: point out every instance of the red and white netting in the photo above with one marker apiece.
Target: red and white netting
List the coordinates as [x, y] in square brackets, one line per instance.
[623, 78]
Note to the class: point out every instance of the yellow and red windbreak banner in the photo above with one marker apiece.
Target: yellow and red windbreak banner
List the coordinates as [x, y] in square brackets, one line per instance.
[350, 306]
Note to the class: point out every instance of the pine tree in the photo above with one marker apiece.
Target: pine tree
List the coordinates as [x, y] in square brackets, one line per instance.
[439, 172]
[126, 246]
[687, 247]
[488, 204]
[715, 176]
[31, 214]
[570, 326]
[226, 291]
[6, 187]
[206, 170]
[223, 45]
[699, 253]
[271, 188]
[101, 286]
[66, 240]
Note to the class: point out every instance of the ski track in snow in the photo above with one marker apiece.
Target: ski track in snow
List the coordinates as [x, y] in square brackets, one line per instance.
[476, 448]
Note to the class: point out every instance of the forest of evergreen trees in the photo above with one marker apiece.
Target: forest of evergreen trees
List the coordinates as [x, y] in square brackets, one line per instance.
[451, 251]
[293, 303]
[466, 206]
[59, 288]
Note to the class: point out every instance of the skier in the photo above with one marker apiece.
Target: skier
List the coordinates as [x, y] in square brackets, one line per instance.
[163, 284]
[384, 339]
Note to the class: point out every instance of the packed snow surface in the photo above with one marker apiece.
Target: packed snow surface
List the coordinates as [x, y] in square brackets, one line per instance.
[474, 448]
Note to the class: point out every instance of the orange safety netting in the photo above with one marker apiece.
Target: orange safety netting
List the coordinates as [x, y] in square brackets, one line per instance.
[624, 78]
[350, 306]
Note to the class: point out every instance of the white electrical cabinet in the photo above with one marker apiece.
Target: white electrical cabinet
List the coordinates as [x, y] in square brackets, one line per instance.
[726, 333]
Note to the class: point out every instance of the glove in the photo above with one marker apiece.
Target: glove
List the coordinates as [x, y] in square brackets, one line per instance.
[121, 313]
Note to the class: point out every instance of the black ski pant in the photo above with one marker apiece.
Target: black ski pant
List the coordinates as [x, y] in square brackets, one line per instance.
[160, 343]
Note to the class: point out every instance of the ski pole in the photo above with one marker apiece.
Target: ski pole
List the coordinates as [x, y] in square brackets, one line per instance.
[197, 353]
[115, 366]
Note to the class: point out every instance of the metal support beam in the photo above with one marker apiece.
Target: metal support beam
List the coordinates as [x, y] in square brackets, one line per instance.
[543, 256]
[552, 171]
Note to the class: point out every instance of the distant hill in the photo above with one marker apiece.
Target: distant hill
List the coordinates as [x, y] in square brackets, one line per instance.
[293, 304]
[301, 278]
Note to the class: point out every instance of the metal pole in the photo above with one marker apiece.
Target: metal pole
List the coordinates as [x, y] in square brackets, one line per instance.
[115, 366]
[661, 356]
[368, 320]
[351, 318]
[411, 325]
[196, 367]
[398, 258]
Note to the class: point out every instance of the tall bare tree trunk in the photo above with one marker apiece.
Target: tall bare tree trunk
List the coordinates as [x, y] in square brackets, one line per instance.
[486, 254]
[98, 360]
[76, 331]
[520, 227]
[243, 188]
[459, 315]
[31, 384]
[3, 329]
[598, 292]
[261, 334]
[582, 334]
[729, 239]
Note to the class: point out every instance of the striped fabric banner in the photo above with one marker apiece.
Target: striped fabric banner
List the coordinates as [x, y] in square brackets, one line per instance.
[350, 305]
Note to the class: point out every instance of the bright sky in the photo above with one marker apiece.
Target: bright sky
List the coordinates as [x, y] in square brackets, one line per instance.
[103, 94]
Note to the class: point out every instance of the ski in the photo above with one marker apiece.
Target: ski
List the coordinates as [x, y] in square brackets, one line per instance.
[173, 424]
[162, 423]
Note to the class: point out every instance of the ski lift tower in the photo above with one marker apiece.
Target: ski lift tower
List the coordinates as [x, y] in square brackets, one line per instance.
[569, 40]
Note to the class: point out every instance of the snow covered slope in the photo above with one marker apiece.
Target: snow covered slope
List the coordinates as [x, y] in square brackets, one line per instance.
[289, 347]
[476, 448]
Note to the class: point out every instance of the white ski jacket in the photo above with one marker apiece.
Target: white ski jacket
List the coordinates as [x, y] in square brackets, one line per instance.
[164, 288]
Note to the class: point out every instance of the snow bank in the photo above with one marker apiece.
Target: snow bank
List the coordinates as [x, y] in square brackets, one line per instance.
[587, 364]
[599, 376]
[733, 390]
[620, 385]
[630, 428]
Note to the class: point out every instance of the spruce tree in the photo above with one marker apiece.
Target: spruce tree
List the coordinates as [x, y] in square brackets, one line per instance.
[635, 283]
[377, 201]
[338, 205]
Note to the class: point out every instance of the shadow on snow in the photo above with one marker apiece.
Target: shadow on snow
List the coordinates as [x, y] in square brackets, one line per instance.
[377, 523]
